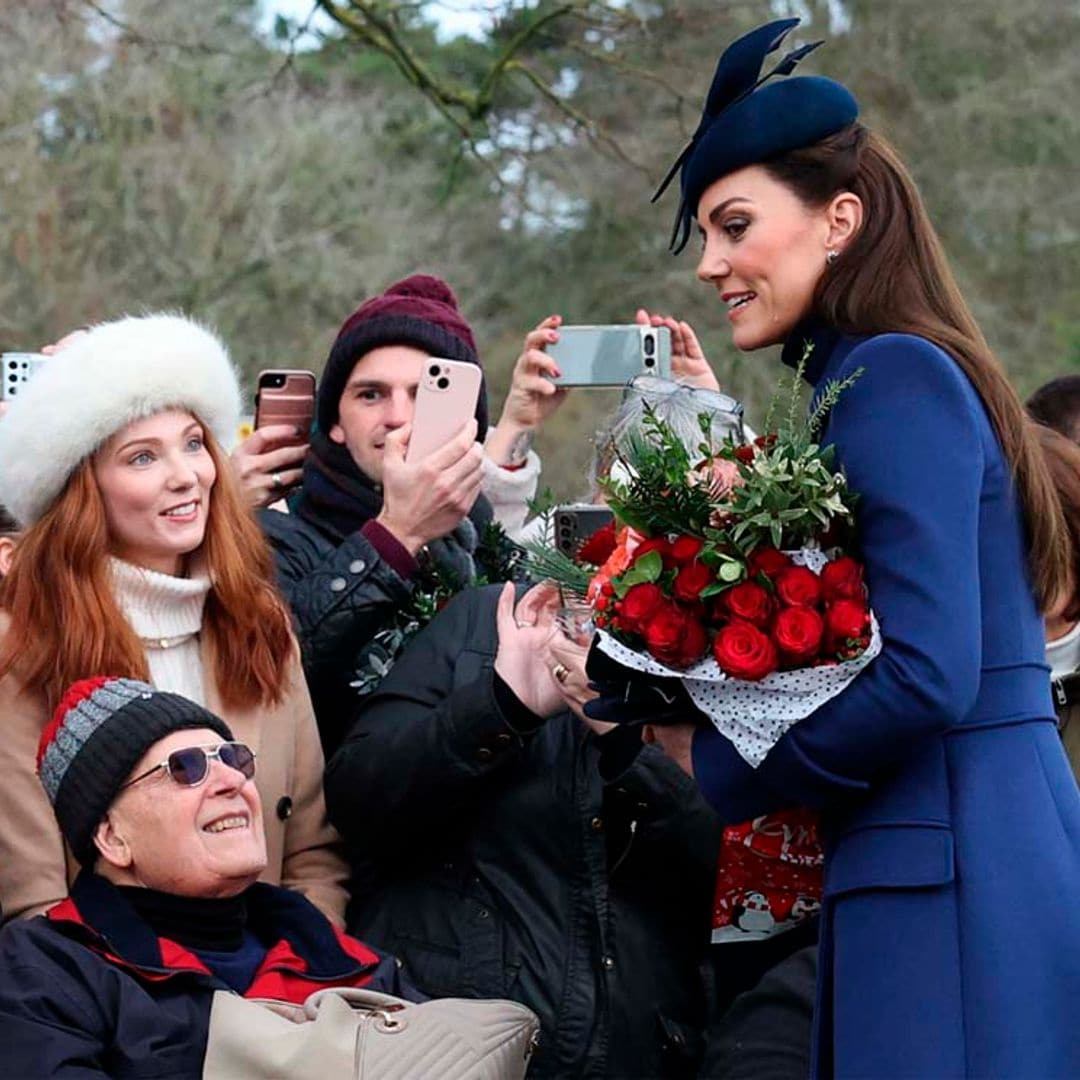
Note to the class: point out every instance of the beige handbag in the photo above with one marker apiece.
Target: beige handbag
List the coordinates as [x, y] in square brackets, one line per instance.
[352, 1034]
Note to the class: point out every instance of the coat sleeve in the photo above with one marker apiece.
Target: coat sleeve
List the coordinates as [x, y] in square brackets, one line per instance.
[510, 490]
[49, 1023]
[33, 872]
[423, 746]
[313, 860]
[910, 435]
[340, 597]
[676, 827]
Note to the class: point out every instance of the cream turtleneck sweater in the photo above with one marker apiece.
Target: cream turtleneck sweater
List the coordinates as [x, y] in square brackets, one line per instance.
[166, 613]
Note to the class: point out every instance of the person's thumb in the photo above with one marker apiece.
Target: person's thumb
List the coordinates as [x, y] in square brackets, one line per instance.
[396, 443]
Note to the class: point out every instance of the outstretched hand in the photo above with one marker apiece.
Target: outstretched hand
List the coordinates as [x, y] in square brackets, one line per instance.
[522, 659]
[688, 361]
[532, 396]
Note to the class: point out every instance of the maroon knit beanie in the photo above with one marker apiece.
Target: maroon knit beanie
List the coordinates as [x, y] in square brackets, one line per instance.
[421, 311]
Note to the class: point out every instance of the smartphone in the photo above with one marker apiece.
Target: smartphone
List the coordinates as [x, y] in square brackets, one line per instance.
[445, 400]
[610, 355]
[16, 370]
[286, 397]
[576, 522]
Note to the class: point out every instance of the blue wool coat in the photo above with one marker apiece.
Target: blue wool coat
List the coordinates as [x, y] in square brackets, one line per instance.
[950, 931]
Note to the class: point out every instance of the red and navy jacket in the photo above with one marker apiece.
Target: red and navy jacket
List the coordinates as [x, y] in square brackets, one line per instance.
[90, 990]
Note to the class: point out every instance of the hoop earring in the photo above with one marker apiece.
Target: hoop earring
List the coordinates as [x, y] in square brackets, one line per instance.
[831, 256]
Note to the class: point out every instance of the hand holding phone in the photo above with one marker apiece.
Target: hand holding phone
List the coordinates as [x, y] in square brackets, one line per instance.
[446, 400]
[610, 355]
[428, 498]
[286, 396]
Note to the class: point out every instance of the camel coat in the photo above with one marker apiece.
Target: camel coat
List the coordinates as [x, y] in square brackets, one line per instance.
[302, 847]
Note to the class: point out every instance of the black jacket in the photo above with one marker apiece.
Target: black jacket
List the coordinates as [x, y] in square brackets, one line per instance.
[497, 862]
[89, 990]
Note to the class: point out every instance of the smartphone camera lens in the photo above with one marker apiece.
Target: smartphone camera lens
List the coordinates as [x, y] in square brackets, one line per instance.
[433, 370]
[649, 345]
[273, 382]
[442, 383]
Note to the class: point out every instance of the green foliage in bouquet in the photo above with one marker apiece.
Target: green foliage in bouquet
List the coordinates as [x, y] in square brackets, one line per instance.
[792, 492]
[783, 491]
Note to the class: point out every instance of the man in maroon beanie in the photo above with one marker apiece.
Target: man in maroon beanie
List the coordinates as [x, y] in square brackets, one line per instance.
[370, 533]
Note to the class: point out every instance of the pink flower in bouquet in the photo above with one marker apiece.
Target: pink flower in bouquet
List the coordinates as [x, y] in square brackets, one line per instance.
[619, 560]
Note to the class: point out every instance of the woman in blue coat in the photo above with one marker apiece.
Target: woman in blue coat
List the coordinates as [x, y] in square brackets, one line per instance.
[950, 941]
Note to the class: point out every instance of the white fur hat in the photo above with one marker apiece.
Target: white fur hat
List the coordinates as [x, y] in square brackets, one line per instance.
[114, 374]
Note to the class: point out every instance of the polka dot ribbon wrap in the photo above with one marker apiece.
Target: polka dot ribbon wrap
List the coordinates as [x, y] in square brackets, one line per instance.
[754, 715]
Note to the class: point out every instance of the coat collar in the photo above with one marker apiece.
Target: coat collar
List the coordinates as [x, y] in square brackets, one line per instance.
[829, 348]
[301, 941]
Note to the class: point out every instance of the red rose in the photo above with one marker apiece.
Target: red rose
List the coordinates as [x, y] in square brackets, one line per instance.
[597, 549]
[745, 454]
[750, 601]
[637, 605]
[744, 652]
[686, 549]
[842, 579]
[798, 632]
[798, 587]
[675, 637]
[768, 561]
[658, 543]
[845, 619]
[691, 579]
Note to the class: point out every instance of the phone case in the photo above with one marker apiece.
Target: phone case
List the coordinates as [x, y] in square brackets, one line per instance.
[611, 355]
[285, 397]
[16, 369]
[575, 523]
[445, 399]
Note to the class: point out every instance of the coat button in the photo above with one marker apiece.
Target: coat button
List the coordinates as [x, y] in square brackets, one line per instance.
[483, 913]
[337, 584]
[608, 962]
[503, 739]
[484, 753]
[284, 808]
[596, 824]
[357, 566]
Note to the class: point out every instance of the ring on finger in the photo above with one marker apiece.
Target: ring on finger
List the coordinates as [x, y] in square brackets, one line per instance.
[276, 482]
[560, 673]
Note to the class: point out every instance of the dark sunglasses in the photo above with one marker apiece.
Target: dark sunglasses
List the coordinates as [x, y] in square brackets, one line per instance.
[190, 766]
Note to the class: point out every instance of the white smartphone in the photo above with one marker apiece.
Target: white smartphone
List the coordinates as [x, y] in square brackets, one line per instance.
[610, 355]
[16, 370]
[445, 400]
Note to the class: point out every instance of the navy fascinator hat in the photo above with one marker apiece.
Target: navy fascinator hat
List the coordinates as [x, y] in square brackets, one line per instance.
[748, 119]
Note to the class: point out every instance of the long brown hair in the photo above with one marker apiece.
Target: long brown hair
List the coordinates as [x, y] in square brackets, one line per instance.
[894, 277]
[66, 623]
[1062, 457]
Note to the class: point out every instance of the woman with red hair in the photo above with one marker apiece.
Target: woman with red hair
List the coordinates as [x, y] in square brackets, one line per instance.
[139, 558]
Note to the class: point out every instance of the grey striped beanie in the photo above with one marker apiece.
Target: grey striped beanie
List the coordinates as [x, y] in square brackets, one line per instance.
[100, 729]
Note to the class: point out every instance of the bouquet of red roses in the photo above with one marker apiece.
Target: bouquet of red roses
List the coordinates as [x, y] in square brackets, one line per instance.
[727, 568]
